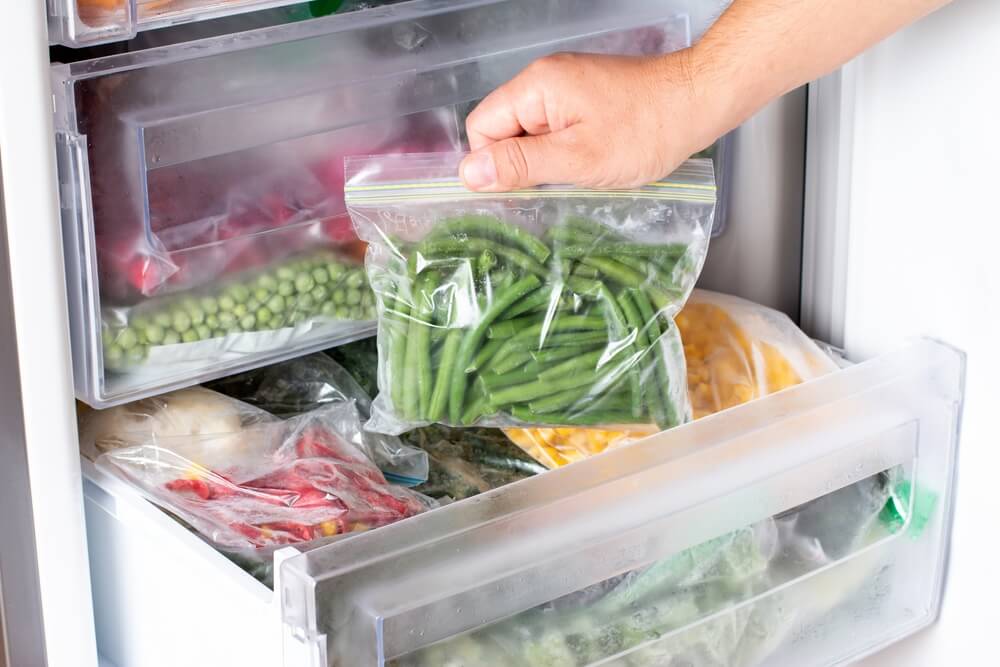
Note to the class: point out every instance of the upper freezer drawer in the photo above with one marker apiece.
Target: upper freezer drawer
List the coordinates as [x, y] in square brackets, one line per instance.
[808, 528]
[88, 22]
[202, 183]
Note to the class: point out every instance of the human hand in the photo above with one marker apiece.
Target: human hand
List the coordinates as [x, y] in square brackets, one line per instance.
[589, 120]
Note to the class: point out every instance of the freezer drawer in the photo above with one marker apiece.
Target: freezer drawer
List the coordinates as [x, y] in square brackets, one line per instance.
[202, 184]
[87, 22]
[807, 528]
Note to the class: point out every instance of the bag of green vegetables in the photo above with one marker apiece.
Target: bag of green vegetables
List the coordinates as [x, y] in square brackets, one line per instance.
[548, 306]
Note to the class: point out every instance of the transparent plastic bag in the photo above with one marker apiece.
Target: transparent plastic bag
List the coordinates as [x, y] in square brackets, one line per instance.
[307, 383]
[291, 481]
[548, 306]
[735, 351]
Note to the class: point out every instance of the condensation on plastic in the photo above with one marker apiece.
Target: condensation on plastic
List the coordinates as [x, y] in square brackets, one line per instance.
[735, 351]
[314, 381]
[661, 614]
[517, 281]
[273, 483]
[171, 157]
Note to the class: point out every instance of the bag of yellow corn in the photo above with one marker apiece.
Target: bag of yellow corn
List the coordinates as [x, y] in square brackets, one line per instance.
[735, 351]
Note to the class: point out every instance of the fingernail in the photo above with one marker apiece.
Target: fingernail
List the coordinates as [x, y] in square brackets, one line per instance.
[478, 171]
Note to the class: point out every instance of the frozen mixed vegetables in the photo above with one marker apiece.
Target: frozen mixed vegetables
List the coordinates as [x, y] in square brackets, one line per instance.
[290, 294]
[547, 306]
[268, 483]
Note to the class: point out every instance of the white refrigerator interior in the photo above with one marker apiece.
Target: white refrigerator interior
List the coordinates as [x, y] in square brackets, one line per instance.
[921, 259]
[865, 208]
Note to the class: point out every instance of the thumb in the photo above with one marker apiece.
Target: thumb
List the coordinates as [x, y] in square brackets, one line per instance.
[522, 162]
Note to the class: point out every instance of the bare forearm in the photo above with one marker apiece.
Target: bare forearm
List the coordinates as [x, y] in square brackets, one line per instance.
[760, 49]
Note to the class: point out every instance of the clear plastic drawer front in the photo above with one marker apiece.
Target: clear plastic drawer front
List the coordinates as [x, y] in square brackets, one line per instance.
[809, 528]
[202, 183]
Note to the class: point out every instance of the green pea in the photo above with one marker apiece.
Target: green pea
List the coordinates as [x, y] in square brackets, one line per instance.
[305, 302]
[162, 320]
[211, 321]
[355, 279]
[296, 318]
[267, 282]
[253, 305]
[335, 270]
[340, 296]
[219, 333]
[233, 330]
[262, 294]
[189, 336]
[285, 273]
[370, 313]
[171, 337]
[320, 294]
[357, 313]
[209, 305]
[286, 288]
[239, 293]
[353, 297]
[240, 309]
[248, 322]
[227, 320]
[226, 303]
[329, 309]
[113, 356]
[367, 298]
[343, 312]
[264, 315]
[304, 283]
[203, 331]
[197, 315]
[276, 303]
[154, 334]
[320, 276]
[136, 355]
[181, 321]
[127, 338]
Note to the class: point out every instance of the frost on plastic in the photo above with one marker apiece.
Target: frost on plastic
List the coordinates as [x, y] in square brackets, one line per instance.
[728, 602]
[735, 351]
[550, 306]
[245, 480]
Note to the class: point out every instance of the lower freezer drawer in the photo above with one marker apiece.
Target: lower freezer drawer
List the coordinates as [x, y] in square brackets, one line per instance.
[807, 528]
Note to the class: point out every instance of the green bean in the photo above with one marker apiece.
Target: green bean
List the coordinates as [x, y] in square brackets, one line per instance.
[553, 355]
[474, 337]
[623, 248]
[449, 355]
[494, 381]
[587, 226]
[484, 355]
[530, 391]
[664, 412]
[557, 341]
[470, 226]
[413, 367]
[562, 324]
[582, 362]
[508, 328]
[512, 361]
[540, 297]
[452, 248]
[616, 271]
[476, 409]
[570, 397]
[631, 313]
[527, 416]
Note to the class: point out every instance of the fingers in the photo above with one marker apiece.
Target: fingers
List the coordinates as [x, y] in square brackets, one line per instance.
[523, 162]
[516, 108]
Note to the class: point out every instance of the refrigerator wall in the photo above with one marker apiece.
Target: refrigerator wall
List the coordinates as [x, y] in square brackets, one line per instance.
[901, 241]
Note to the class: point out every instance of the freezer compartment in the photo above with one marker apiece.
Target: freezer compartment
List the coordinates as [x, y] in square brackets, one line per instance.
[80, 23]
[808, 528]
[188, 169]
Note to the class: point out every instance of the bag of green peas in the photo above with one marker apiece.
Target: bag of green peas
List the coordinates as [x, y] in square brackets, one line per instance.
[309, 296]
[551, 306]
